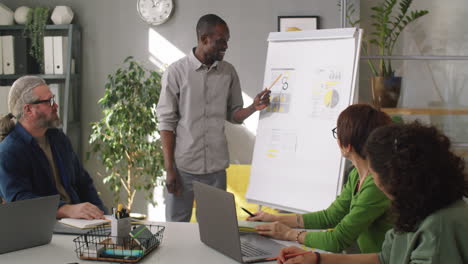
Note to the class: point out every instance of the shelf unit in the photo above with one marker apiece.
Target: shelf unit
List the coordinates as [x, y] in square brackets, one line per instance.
[460, 149]
[425, 111]
[70, 91]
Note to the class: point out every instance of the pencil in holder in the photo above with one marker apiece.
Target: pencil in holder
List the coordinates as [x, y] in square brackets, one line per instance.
[120, 229]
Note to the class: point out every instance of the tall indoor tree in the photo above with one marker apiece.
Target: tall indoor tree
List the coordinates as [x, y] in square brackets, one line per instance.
[126, 140]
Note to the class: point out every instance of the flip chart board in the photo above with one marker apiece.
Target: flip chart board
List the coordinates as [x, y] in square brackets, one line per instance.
[297, 164]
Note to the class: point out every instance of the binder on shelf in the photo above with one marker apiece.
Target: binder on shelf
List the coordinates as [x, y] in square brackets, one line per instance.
[48, 55]
[8, 55]
[4, 90]
[1, 55]
[21, 55]
[60, 52]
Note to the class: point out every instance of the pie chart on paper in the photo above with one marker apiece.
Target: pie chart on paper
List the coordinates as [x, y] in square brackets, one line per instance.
[331, 98]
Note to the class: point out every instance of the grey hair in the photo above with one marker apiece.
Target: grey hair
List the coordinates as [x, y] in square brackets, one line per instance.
[21, 93]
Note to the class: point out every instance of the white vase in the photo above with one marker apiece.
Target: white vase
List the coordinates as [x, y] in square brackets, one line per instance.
[62, 15]
[6, 16]
[21, 14]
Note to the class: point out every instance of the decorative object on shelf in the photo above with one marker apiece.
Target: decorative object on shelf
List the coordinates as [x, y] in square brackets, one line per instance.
[21, 15]
[34, 29]
[62, 15]
[297, 23]
[387, 28]
[126, 139]
[6, 16]
[155, 12]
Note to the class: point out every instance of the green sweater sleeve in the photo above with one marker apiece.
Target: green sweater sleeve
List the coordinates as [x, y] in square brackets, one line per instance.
[331, 216]
[350, 215]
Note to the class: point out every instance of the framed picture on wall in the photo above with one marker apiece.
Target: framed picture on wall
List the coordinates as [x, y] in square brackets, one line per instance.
[297, 23]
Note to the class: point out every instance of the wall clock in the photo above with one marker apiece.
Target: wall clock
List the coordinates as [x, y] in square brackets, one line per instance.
[155, 12]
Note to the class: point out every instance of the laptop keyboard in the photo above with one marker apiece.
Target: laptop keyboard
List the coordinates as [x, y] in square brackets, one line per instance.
[249, 250]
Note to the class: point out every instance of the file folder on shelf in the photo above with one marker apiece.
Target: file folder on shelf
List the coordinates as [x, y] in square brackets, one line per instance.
[8, 55]
[60, 54]
[48, 55]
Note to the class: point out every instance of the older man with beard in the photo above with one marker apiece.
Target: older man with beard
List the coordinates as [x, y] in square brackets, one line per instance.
[37, 159]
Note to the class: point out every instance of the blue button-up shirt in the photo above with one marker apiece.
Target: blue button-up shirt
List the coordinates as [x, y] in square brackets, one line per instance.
[25, 172]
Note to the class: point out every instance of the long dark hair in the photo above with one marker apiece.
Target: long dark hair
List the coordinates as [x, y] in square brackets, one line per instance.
[414, 164]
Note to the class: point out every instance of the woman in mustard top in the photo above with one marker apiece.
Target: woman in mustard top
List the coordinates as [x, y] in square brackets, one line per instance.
[359, 213]
[425, 181]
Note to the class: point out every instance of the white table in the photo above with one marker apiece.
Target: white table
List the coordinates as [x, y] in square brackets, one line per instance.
[181, 244]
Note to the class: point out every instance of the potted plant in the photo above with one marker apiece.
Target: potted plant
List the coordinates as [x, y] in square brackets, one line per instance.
[387, 28]
[126, 140]
[34, 29]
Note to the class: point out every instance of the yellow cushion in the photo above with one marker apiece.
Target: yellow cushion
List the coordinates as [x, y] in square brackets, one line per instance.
[237, 183]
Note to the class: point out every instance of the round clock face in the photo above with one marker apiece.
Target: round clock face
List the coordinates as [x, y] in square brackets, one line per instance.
[155, 12]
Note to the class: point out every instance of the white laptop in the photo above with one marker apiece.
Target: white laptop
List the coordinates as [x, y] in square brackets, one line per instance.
[27, 223]
[217, 221]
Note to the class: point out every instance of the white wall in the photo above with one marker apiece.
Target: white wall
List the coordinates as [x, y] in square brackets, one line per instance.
[112, 30]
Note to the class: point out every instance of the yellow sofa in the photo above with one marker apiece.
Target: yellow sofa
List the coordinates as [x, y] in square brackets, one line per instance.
[237, 183]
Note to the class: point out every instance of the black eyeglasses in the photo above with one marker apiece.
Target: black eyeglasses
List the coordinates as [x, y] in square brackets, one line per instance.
[50, 101]
[335, 135]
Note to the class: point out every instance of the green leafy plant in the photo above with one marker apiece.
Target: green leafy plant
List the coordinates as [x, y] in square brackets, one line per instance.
[34, 29]
[126, 140]
[387, 27]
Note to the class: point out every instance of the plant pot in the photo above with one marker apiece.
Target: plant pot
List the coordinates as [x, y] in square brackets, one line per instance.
[385, 91]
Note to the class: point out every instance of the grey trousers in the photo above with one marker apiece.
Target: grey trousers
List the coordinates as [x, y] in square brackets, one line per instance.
[179, 208]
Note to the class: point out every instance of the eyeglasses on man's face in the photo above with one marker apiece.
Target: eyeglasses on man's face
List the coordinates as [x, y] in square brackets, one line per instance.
[335, 135]
[50, 101]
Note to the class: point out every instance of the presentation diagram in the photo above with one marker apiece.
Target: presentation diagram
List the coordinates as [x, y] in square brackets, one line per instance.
[282, 82]
[326, 90]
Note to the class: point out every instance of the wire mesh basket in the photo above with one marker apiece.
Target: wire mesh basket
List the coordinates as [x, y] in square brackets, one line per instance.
[98, 244]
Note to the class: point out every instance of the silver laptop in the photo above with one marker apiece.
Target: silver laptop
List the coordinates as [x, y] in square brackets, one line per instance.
[27, 223]
[217, 221]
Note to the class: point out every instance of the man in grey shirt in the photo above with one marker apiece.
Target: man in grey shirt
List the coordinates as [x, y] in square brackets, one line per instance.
[199, 92]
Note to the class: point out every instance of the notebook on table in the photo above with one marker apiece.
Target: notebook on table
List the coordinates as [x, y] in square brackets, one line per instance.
[27, 223]
[83, 223]
[219, 229]
[248, 226]
[69, 226]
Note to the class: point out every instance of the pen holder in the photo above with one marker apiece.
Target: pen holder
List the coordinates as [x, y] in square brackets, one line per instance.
[120, 229]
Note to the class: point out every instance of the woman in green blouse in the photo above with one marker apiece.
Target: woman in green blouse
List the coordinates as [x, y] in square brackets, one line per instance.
[359, 213]
[413, 165]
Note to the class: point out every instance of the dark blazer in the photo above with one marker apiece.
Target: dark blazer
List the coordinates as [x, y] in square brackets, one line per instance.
[25, 172]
